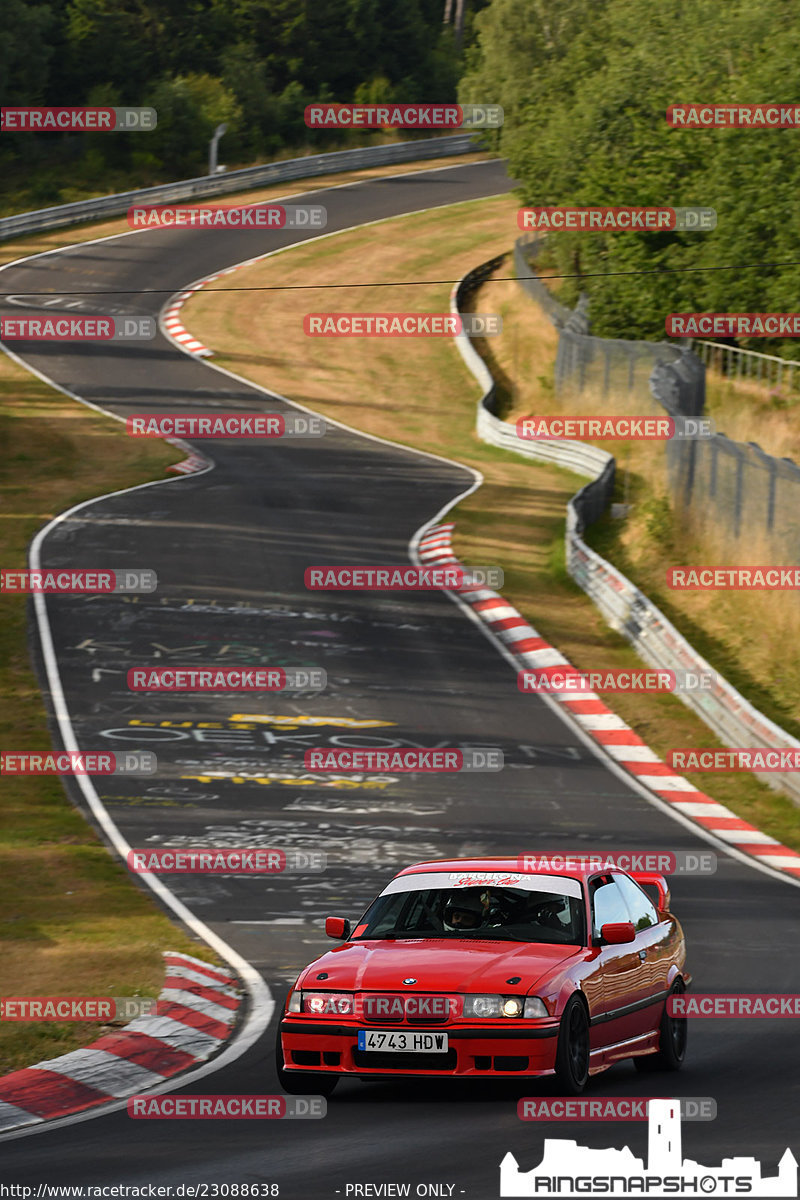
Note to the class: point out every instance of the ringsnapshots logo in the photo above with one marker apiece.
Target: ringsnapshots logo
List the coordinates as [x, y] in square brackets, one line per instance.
[649, 862]
[226, 1108]
[228, 425]
[74, 762]
[569, 1169]
[228, 216]
[228, 679]
[402, 325]
[449, 759]
[28, 119]
[403, 116]
[754, 325]
[74, 582]
[733, 579]
[568, 680]
[77, 329]
[618, 219]
[614, 428]
[609, 1108]
[733, 116]
[734, 758]
[398, 579]
[230, 860]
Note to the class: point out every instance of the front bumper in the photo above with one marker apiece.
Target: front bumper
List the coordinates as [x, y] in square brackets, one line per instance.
[491, 1049]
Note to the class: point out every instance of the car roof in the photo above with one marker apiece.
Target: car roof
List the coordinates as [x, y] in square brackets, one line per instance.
[514, 866]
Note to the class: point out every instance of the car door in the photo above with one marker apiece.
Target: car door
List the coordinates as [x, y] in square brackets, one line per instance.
[653, 945]
[617, 983]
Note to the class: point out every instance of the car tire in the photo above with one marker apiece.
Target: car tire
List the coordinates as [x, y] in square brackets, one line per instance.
[672, 1037]
[302, 1083]
[572, 1053]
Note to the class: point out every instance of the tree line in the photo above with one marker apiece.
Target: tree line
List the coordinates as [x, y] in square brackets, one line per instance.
[252, 64]
[585, 85]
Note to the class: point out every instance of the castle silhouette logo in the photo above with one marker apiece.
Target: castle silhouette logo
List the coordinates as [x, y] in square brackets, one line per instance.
[568, 1169]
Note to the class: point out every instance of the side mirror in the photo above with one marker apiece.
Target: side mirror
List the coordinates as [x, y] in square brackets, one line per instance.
[618, 933]
[338, 927]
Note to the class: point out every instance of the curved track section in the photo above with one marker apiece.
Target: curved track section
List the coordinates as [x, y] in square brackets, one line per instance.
[230, 547]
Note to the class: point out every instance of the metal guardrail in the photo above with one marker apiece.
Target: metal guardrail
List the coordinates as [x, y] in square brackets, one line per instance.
[627, 610]
[592, 500]
[236, 181]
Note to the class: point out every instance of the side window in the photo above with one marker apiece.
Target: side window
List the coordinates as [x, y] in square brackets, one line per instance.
[608, 906]
[642, 910]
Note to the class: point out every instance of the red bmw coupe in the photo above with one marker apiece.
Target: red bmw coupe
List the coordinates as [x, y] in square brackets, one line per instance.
[475, 967]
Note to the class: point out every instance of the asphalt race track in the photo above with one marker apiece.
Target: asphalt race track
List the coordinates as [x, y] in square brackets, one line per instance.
[230, 547]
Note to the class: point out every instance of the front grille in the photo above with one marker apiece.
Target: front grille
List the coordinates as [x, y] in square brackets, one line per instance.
[381, 1018]
[405, 1062]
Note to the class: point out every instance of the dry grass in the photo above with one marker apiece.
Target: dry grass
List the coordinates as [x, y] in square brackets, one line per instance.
[750, 412]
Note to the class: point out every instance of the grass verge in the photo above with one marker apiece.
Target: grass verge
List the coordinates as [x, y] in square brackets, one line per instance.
[71, 920]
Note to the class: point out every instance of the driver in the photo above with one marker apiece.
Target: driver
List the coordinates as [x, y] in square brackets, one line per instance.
[463, 910]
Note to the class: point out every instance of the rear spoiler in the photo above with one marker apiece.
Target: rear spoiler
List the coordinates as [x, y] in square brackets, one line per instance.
[657, 881]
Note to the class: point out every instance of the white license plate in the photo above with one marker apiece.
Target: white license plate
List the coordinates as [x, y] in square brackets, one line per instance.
[401, 1041]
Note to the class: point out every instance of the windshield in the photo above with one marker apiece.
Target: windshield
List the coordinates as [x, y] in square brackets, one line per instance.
[475, 913]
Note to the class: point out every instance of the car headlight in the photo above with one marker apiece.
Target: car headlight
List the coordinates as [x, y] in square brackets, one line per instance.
[493, 1006]
[326, 1004]
[295, 1002]
[534, 1007]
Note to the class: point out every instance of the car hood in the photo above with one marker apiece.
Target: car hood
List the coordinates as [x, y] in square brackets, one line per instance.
[437, 965]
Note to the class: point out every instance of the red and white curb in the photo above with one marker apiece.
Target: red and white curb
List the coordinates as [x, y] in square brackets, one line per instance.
[174, 328]
[194, 462]
[196, 1014]
[604, 726]
[171, 323]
